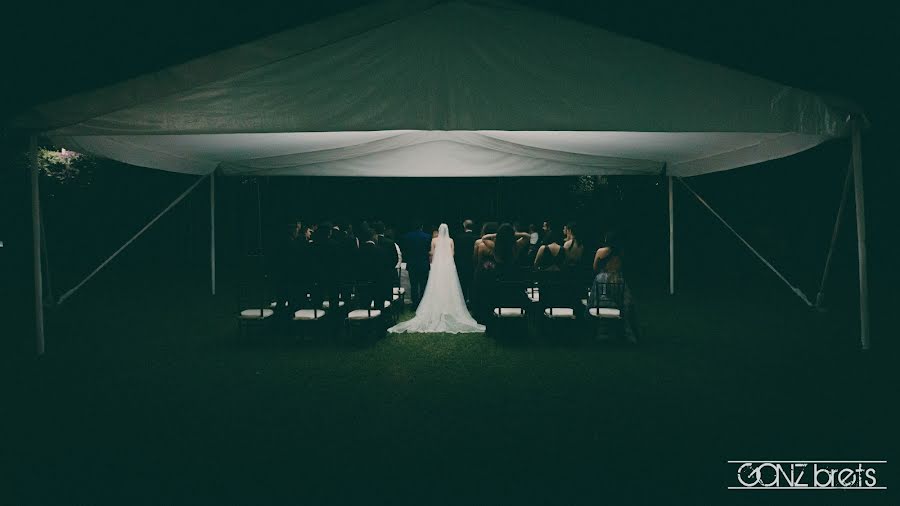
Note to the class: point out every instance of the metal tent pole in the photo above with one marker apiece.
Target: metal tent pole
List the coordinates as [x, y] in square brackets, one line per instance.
[212, 231]
[671, 238]
[861, 235]
[45, 264]
[36, 236]
[259, 246]
[499, 198]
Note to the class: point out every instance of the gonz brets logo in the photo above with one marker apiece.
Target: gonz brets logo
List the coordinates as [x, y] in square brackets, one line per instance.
[812, 475]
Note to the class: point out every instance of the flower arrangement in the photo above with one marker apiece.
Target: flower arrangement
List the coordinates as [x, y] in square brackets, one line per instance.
[62, 165]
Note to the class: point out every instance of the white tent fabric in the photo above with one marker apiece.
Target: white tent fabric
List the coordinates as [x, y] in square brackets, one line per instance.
[457, 88]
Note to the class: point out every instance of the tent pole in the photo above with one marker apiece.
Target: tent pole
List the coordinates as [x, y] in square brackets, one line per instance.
[259, 248]
[212, 231]
[861, 235]
[45, 263]
[671, 238]
[499, 198]
[36, 236]
[258, 219]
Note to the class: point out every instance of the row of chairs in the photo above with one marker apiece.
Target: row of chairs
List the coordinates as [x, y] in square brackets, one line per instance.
[322, 310]
[360, 305]
[515, 304]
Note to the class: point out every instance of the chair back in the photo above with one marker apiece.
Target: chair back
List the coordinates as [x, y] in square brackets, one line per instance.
[253, 296]
[561, 293]
[607, 292]
[364, 293]
[509, 294]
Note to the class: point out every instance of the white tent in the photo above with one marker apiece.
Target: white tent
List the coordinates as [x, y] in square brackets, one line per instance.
[437, 89]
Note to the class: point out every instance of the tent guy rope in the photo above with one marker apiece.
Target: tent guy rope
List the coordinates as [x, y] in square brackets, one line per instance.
[747, 244]
[135, 236]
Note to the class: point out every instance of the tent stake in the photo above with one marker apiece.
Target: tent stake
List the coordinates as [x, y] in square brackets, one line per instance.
[861, 235]
[36, 235]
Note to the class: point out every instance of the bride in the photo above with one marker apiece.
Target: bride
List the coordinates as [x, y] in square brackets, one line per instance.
[443, 308]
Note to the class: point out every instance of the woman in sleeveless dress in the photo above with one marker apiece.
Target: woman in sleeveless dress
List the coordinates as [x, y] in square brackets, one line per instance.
[609, 269]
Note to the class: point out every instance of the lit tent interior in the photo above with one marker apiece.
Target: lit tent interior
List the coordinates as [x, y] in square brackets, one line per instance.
[448, 89]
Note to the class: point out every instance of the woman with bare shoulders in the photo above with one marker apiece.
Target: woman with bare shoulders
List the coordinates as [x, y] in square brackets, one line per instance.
[506, 245]
[498, 255]
[609, 270]
[483, 254]
[561, 255]
[484, 264]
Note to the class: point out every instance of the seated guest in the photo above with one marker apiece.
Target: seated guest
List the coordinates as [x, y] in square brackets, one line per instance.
[345, 250]
[351, 237]
[373, 267]
[560, 264]
[391, 234]
[559, 254]
[284, 269]
[508, 245]
[463, 257]
[609, 257]
[534, 242]
[483, 254]
[483, 272]
[609, 268]
[388, 245]
[321, 267]
[546, 232]
[522, 260]
[547, 258]
[305, 233]
[337, 234]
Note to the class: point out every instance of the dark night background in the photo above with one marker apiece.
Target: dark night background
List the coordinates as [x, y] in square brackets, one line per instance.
[785, 208]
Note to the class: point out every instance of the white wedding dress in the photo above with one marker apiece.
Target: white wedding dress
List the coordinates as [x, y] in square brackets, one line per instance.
[443, 308]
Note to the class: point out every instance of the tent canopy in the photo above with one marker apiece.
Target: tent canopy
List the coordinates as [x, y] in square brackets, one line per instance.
[455, 88]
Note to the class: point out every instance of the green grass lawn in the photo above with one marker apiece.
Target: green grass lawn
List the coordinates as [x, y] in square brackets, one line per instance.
[145, 396]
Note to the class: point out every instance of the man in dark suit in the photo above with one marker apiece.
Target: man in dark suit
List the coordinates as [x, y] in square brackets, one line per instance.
[372, 262]
[388, 245]
[463, 248]
[321, 267]
[345, 249]
[416, 245]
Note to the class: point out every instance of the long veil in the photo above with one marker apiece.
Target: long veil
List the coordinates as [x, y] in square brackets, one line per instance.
[443, 307]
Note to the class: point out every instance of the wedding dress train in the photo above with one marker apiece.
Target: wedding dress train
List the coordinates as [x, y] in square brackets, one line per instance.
[443, 307]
